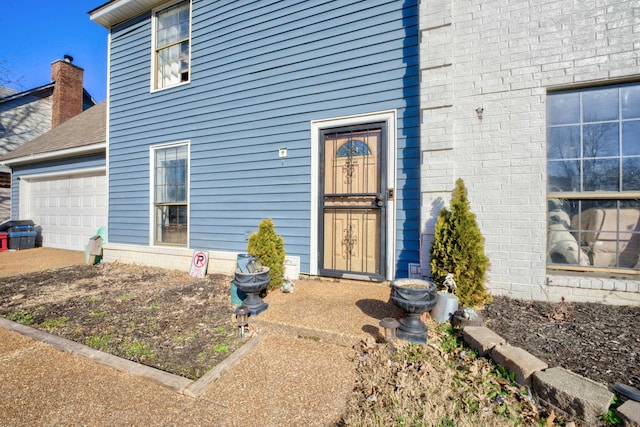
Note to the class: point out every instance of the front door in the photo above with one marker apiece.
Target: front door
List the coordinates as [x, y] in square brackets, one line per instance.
[353, 202]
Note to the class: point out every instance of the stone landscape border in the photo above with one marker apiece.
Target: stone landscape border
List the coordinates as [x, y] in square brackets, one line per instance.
[565, 391]
[171, 381]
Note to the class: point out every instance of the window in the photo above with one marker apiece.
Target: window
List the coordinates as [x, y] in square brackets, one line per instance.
[170, 195]
[171, 45]
[593, 176]
[353, 148]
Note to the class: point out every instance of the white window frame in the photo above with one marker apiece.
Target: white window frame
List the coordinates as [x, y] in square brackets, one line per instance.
[154, 63]
[152, 205]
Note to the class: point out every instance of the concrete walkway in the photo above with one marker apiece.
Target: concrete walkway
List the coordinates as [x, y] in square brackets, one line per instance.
[298, 372]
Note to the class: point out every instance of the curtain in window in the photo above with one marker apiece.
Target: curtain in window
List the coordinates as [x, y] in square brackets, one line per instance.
[172, 45]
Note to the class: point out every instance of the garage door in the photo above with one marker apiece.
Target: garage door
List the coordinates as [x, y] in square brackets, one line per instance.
[69, 209]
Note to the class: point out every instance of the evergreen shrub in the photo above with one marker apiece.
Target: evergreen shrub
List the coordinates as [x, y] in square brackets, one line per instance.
[458, 248]
[268, 247]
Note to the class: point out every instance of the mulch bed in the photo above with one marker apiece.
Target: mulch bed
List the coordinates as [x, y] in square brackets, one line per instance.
[597, 341]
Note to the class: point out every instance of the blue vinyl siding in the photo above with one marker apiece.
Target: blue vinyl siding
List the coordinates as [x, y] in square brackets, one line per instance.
[71, 165]
[260, 73]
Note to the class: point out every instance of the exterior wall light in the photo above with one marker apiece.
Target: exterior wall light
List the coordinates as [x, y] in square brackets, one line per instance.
[479, 112]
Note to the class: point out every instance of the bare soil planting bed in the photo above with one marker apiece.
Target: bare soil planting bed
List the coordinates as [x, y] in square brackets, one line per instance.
[161, 318]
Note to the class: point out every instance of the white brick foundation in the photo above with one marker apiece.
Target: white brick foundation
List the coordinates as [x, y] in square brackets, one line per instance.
[167, 257]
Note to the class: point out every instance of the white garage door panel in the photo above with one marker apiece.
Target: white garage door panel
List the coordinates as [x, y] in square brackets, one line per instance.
[69, 209]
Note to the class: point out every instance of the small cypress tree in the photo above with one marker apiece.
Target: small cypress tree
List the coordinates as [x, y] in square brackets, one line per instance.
[458, 248]
[268, 247]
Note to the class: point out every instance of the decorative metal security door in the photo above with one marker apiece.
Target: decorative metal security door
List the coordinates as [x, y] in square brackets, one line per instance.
[353, 202]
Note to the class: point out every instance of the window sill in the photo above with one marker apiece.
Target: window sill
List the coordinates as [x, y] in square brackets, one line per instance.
[162, 89]
[596, 273]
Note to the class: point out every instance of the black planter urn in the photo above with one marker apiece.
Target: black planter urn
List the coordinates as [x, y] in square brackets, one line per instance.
[253, 284]
[414, 297]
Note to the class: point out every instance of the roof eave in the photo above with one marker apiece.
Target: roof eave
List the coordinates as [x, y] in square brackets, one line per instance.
[116, 11]
[55, 155]
[28, 92]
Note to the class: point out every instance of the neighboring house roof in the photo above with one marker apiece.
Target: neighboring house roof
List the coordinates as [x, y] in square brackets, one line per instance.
[82, 134]
[5, 91]
[26, 115]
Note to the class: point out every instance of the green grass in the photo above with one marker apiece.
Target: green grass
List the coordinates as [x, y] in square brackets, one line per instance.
[58, 322]
[139, 351]
[449, 342]
[221, 348]
[184, 338]
[21, 317]
[126, 297]
[611, 418]
[99, 342]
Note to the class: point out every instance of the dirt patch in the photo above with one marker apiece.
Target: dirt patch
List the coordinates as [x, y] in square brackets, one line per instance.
[161, 318]
[597, 341]
[13, 263]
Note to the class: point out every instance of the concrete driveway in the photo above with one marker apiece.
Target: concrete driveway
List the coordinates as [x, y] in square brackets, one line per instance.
[14, 262]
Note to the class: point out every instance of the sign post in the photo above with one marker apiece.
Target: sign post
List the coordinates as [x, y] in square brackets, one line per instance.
[199, 264]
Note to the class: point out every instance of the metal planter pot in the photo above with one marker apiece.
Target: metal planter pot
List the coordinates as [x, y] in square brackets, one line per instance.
[252, 284]
[414, 297]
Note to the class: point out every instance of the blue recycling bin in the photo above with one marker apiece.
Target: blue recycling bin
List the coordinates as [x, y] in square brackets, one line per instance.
[19, 240]
[242, 263]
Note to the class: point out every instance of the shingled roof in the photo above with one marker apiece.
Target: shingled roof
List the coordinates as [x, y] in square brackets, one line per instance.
[86, 130]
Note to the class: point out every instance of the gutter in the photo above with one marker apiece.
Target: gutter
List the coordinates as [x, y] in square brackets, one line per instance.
[116, 11]
[54, 155]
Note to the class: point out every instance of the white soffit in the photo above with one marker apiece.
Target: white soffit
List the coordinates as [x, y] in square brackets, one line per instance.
[117, 11]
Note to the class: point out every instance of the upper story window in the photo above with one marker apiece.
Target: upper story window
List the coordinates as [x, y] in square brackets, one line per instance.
[171, 43]
[593, 175]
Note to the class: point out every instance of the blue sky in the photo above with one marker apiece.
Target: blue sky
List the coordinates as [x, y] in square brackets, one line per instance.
[34, 33]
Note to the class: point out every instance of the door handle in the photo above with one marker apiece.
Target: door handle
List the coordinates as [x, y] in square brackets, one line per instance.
[379, 200]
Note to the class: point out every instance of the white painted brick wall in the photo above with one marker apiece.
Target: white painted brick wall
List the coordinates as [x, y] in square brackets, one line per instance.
[436, 50]
[439, 123]
[437, 89]
[503, 57]
[436, 15]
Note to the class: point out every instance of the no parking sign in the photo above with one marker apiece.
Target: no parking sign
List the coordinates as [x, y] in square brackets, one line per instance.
[199, 264]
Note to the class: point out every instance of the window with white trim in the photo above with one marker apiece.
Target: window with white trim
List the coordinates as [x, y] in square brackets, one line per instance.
[171, 165]
[171, 45]
[593, 176]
